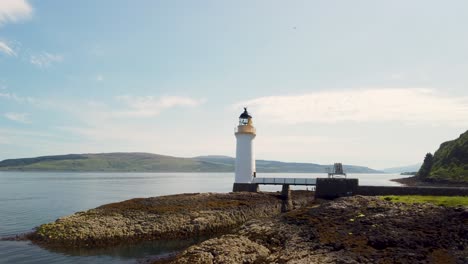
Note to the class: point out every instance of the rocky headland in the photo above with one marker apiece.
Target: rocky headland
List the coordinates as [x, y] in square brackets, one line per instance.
[417, 181]
[164, 217]
[250, 228]
[355, 229]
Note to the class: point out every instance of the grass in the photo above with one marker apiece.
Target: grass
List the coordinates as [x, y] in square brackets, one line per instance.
[448, 201]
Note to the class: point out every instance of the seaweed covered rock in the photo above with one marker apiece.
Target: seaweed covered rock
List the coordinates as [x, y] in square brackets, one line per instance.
[227, 249]
[349, 230]
[165, 217]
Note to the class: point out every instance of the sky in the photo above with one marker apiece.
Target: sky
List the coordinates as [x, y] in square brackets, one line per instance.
[372, 83]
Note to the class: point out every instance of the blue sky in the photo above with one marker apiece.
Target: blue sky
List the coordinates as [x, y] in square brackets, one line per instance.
[375, 83]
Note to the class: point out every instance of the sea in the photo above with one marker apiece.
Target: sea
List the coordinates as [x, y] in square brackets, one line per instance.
[29, 199]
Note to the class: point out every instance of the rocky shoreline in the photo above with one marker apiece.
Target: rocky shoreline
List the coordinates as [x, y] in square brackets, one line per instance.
[250, 228]
[414, 181]
[164, 217]
[355, 229]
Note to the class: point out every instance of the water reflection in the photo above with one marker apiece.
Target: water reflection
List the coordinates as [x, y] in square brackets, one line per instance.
[142, 249]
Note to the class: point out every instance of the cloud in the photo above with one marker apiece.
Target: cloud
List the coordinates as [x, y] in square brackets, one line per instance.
[366, 105]
[149, 106]
[4, 48]
[14, 11]
[16, 98]
[104, 124]
[18, 117]
[45, 59]
[99, 78]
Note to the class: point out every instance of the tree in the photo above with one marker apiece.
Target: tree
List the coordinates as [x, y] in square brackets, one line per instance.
[426, 167]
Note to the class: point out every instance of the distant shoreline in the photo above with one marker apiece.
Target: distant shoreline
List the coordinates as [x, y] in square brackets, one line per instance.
[413, 181]
[148, 162]
[258, 173]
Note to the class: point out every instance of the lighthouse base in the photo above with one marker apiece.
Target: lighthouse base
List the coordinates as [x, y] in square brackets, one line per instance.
[245, 187]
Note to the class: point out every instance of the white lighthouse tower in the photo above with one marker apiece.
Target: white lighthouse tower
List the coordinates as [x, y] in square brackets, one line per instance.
[245, 156]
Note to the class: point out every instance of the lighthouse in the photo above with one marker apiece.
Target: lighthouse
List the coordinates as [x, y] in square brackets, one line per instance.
[245, 155]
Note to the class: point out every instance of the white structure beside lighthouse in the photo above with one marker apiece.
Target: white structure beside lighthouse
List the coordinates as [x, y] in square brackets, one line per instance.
[245, 154]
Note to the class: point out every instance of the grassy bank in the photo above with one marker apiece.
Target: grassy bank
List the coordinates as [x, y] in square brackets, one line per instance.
[449, 201]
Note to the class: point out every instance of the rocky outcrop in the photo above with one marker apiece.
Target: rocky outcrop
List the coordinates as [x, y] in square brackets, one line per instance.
[165, 217]
[348, 230]
[227, 249]
[356, 229]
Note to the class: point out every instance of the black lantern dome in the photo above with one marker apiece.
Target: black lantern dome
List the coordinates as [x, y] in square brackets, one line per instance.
[244, 118]
[245, 114]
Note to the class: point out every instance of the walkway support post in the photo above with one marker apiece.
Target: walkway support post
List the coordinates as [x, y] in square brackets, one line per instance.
[286, 198]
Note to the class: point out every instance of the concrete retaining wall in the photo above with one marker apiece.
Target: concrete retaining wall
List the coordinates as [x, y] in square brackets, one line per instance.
[403, 190]
[245, 187]
[330, 188]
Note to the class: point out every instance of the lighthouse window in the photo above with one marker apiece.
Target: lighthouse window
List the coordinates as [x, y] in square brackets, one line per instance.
[243, 121]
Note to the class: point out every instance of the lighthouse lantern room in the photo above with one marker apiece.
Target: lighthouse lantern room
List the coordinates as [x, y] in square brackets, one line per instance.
[245, 155]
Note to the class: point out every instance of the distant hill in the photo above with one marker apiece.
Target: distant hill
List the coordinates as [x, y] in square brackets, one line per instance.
[278, 166]
[409, 168]
[112, 162]
[147, 162]
[448, 164]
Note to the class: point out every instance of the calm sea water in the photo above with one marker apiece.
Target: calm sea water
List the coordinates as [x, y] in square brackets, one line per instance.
[28, 199]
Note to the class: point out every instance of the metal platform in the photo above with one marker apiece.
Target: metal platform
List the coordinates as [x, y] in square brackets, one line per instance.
[282, 181]
[337, 171]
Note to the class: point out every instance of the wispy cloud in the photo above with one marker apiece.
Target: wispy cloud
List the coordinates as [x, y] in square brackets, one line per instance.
[103, 124]
[127, 106]
[149, 106]
[366, 105]
[16, 98]
[14, 11]
[18, 117]
[6, 49]
[45, 59]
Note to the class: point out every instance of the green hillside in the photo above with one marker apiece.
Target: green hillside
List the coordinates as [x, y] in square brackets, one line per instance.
[146, 162]
[112, 162]
[293, 167]
[449, 163]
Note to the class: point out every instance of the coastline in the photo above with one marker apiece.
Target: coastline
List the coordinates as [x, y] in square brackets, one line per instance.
[414, 181]
[163, 217]
[358, 229]
[250, 228]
